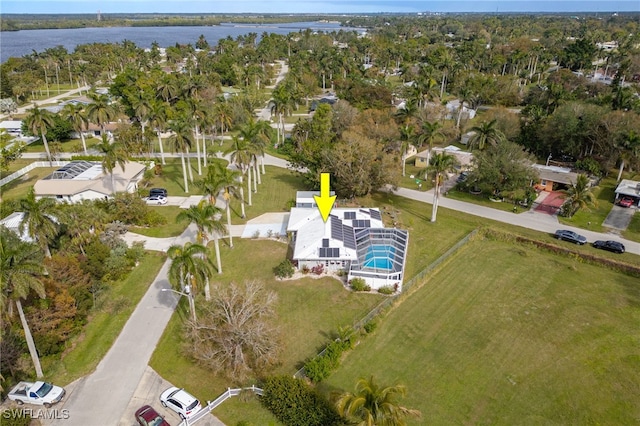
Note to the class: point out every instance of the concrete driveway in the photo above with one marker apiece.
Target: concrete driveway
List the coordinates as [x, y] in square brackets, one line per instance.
[619, 217]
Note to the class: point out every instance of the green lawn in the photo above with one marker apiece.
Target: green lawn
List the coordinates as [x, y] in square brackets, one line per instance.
[170, 229]
[15, 166]
[18, 188]
[591, 218]
[418, 173]
[508, 334]
[73, 146]
[114, 307]
[305, 328]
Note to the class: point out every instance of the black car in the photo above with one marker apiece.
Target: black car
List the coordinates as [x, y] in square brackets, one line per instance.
[158, 192]
[463, 177]
[565, 234]
[613, 246]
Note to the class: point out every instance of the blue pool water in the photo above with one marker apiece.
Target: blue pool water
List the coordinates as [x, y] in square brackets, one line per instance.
[379, 257]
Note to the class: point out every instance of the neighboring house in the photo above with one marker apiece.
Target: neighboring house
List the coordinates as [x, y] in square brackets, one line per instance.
[353, 239]
[80, 100]
[453, 108]
[628, 188]
[465, 138]
[96, 130]
[13, 127]
[463, 158]
[554, 177]
[84, 180]
[12, 223]
[305, 198]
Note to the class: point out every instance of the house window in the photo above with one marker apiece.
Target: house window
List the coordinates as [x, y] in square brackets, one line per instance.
[543, 182]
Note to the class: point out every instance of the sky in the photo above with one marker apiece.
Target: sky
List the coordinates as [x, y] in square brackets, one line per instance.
[313, 6]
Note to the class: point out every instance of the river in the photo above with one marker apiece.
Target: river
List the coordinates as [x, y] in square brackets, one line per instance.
[20, 43]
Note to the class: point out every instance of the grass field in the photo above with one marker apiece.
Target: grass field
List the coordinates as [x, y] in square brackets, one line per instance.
[535, 338]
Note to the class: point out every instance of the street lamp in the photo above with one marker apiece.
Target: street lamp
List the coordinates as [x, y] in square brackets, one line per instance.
[188, 295]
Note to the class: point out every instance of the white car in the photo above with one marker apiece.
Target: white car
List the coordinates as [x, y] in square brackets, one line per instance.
[180, 401]
[157, 199]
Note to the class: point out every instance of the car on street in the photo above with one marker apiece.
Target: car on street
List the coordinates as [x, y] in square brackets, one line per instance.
[158, 191]
[147, 416]
[609, 245]
[626, 202]
[566, 235]
[156, 199]
[180, 401]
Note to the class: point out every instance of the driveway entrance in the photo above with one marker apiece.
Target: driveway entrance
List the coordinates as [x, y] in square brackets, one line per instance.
[549, 202]
[619, 217]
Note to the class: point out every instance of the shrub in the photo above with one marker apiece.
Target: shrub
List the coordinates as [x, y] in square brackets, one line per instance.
[359, 284]
[284, 270]
[318, 269]
[386, 290]
[305, 269]
[370, 327]
[294, 403]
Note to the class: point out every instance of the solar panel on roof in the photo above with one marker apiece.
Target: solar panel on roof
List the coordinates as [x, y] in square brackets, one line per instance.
[336, 228]
[361, 223]
[349, 215]
[375, 214]
[364, 211]
[329, 252]
[349, 237]
[325, 242]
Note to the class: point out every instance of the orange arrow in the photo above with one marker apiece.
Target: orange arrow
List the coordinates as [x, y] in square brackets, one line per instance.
[324, 201]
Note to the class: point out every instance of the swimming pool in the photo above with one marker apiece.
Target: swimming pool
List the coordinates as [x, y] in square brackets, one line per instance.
[379, 257]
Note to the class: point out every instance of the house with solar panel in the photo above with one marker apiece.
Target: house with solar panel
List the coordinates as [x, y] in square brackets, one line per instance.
[352, 239]
[85, 180]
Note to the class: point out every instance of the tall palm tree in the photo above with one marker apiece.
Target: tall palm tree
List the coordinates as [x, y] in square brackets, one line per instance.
[219, 178]
[39, 219]
[407, 138]
[20, 267]
[486, 132]
[374, 405]
[158, 115]
[579, 196]
[223, 119]
[206, 217]
[439, 165]
[76, 115]
[188, 269]
[628, 148]
[429, 131]
[39, 121]
[241, 157]
[256, 133]
[101, 111]
[181, 140]
[113, 154]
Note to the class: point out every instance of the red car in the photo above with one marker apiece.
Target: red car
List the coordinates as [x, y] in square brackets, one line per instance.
[147, 416]
[626, 202]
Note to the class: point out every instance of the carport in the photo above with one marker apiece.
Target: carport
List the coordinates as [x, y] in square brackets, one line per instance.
[628, 188]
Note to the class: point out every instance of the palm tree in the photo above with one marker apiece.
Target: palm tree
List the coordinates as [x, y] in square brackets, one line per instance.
[629, 149]
[39, 121]
[579, 196]
[256, 133]
[206, 217]
[241, 157]
[76, 115]
[188, 269]
[439, 165]
[428, 133]
[486, 132]
[222, 118]
[39, 220]
[113, 154]
[158, 120]
[100, 111]
[373, 405]
[219, 178]
[407, 137]
[181, 140]
[20, 266]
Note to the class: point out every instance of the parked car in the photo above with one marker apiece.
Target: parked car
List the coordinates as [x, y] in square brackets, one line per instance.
[156, 199]
[565, 234]
[626, 202]
[609, 245]
[158, 191]
[463, 177]
[180, 401]
[38, 393]
[147, 416]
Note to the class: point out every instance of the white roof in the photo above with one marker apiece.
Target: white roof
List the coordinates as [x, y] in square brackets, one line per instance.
[628, 187]
[311, 230]
[11, 124]
[12, 222]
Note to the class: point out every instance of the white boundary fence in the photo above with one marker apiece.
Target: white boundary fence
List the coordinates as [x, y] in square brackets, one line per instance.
[219, 400]
[23, 171]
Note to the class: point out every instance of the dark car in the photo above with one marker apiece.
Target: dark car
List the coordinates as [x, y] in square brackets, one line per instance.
[626, 202]
[566, 235]
[158, 192]
[463, 177]
[147, 416]
[613, 246]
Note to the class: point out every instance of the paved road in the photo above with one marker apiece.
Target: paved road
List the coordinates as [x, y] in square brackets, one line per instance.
[24, 108]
